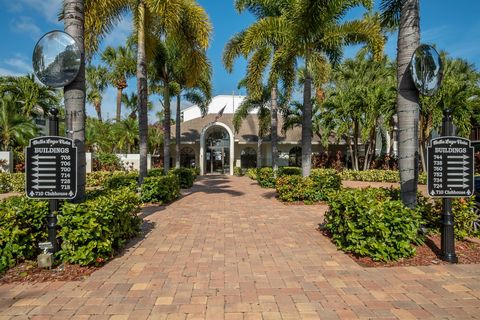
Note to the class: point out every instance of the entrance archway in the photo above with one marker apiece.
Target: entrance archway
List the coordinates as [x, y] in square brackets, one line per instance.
[216, 149]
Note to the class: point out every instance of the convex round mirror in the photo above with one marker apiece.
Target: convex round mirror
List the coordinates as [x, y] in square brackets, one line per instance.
[427, 70]
[56, 59]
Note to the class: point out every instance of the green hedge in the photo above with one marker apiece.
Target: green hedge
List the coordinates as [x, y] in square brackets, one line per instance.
[12, 182]
[237, 171]
[370, 222]
[185, 176]
[160, 189]
[156, 172]
[376, 175]
[125, 179]
[22, 227]
[91, 232]
[316, 187]
[252, 173]
[289, 171]
[266, 178]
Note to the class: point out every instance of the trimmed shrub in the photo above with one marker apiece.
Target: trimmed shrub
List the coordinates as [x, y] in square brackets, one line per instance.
[325, 181]
[107, 162]
[185, 177]
[22, 227]
[126, 179]
[93, 231]
[289, 171]
[368, 222]
[266, 178]
[237, 171]
[252, 173]
[377, 175]
[160, 189]
[156, 172]
[12, 182]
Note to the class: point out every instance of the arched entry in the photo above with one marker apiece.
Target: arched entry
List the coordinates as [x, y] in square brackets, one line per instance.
[216, 149]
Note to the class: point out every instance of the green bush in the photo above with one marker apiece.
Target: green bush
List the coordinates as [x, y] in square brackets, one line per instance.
[108, 161]
[377, 175]
[93, 231]
[252, 173]
[120, 180]
[185, 177]
[12, 182]
[160, 189]
[369, 222]
[22, 227]
[237, 171]
[314, 188]
[156, 172]
[289, 171]
[266, 178]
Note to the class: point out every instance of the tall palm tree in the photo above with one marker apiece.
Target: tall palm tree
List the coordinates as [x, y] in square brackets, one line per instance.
[126, 132]
[259, 61]
[263, 113]
[96, 79]
[152, 20]
[309, 30]
[74, 93]
[15, 129]
[33, 98]
[121, 62]
[406, 15]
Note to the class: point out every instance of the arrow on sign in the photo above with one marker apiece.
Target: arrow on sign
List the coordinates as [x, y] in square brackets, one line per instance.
[37, 181]
[458, 186]
[45, 162]
[464, 174]
[458, 157]
[38, 157]
[43, 187]
[457, 162]
[36, 175]
[458, 180]
[44, 169]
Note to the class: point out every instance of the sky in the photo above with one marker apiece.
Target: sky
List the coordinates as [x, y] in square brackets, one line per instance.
[451, 26]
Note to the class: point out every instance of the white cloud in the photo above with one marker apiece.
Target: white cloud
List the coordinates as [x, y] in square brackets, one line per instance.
[26, 25]
[49, 9]
[118, 36]
[7, 72]
[19, 63]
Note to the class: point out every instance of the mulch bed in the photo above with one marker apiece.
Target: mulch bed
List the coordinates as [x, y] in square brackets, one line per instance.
[468, 252]
[29, 272]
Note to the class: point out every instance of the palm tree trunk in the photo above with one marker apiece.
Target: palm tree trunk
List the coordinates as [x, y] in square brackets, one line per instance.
[407, 103]
[98, 109]
[259, 151]
[142, 92]
[166, 128]
[74, 93]
[177, 133]
[307, 123]
[274, 133]
[119, 104]
[355, 145]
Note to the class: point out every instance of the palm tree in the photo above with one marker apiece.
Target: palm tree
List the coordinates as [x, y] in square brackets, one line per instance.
[263, 112]
[74, 93]
[121, 62]
[96, 77]
[130, 101]
[152, 20]
[126, 132]
[406, 15]
[33, 98]
[309, 30]
[15, 129]
[260, 59]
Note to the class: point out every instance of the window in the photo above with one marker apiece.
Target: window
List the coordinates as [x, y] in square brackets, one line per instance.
[295, 157]
[248, 158]
[187, 158]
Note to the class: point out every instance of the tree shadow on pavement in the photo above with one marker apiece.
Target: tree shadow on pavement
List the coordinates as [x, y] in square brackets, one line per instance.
[213, 185]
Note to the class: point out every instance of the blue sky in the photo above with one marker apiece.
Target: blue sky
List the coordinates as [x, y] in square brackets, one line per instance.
[452, 26]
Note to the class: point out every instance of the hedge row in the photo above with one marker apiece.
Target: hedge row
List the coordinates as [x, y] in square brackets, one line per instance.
[12, 182]
[374, 222]
[375, 175]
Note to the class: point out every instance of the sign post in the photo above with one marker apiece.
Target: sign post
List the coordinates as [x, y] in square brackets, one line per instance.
[51, 172]
[450, 175]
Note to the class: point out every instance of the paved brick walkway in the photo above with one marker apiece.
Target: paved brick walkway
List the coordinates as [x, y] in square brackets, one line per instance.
[229, 250]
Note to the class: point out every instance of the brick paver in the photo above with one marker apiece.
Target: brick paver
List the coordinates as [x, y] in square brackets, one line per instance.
[229, 250]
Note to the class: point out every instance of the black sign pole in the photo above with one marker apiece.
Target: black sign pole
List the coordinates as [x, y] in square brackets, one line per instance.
[53, 203]
[447, 233]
